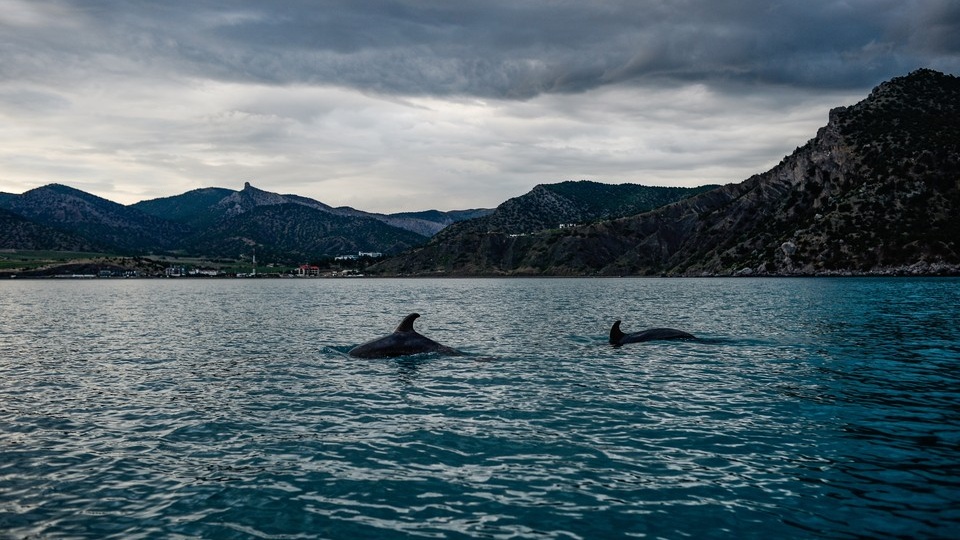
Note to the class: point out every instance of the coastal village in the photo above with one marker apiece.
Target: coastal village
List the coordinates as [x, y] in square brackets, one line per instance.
[348, 265]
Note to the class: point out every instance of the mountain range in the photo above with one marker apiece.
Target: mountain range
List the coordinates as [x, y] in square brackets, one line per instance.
[876, 191]
[218, 222]
[567, 204]
[213, 222]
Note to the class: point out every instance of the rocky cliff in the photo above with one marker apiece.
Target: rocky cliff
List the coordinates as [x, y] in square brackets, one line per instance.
[876, 191]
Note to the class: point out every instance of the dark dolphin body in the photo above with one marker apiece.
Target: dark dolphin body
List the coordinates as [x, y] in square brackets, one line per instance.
[402, 342]
[617, 337]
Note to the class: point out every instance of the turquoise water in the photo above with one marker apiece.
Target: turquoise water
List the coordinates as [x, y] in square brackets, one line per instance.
[809, 408]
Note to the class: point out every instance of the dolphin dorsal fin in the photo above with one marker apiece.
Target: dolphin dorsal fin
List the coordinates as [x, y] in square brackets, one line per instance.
[406, 325]
[615, 333]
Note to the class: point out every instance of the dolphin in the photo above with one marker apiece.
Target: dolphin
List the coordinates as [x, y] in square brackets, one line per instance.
[617, 337]
[402, 342]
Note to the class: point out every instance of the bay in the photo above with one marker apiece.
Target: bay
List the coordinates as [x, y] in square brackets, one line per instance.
[825, 408]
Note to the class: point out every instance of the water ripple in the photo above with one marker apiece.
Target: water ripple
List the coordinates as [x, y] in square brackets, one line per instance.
[229, 409]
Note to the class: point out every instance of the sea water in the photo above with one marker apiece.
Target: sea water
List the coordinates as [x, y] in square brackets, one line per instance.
[807, 408]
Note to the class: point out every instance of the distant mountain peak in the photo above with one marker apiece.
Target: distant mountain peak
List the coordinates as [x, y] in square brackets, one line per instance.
[102, 222]
[249, 198]
[61, 189]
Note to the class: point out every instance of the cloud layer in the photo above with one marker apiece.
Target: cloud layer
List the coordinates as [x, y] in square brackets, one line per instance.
[406, 105]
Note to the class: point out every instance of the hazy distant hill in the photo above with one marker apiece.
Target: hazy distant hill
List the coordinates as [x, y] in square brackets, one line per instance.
[877, 191]
[446, 218]
[430, 222]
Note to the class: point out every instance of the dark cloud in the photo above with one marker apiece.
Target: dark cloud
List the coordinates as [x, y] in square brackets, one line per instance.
[514, 48]
[408, 104]
[523, 48]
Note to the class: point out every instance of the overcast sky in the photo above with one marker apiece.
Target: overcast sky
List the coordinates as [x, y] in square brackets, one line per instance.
[409, 105]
